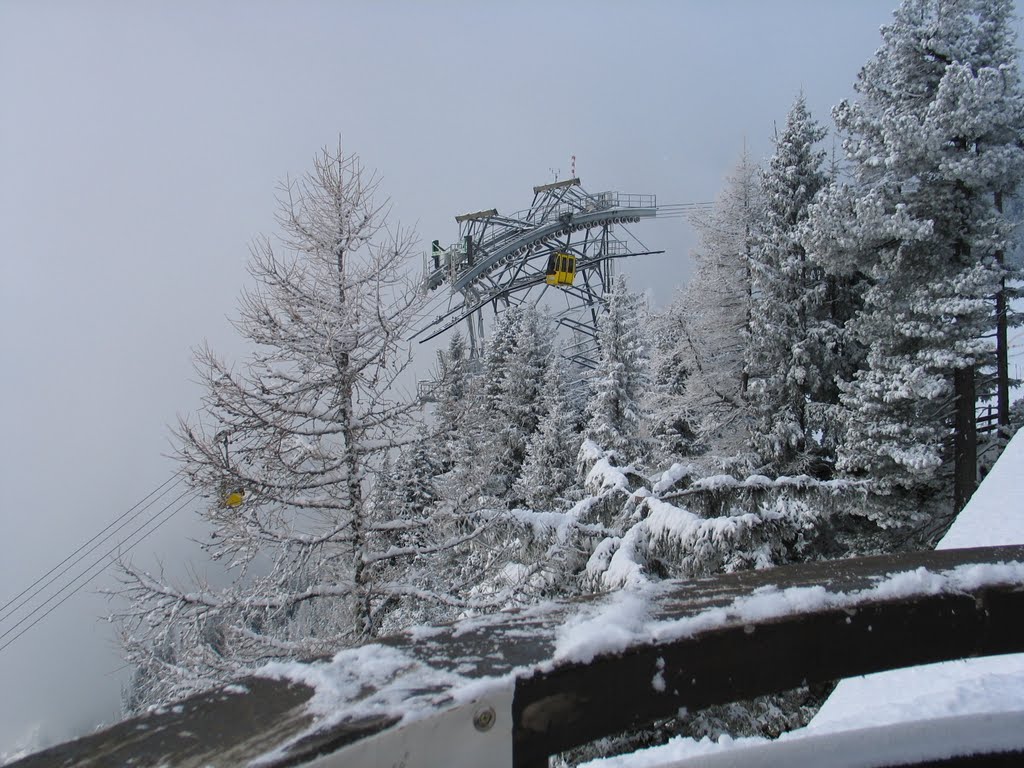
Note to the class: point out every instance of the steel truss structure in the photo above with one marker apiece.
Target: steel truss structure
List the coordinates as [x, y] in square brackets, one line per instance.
[502, 261]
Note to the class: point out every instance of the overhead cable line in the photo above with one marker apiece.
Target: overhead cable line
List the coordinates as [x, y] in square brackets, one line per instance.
[46, 580]
[15, 603]
[8, 609]
[86, 576]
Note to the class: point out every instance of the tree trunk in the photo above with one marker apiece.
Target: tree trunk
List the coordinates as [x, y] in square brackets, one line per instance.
[965, 439]
[353, 481]
[1002, 346]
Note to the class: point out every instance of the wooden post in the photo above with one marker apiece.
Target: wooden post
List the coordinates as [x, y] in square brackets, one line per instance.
[1002, 345]
[965, 439]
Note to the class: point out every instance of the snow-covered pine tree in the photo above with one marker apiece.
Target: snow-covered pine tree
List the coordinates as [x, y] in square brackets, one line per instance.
[454, 397]
[406, 497]
[615, 421]
[500, 348]
[519, 406]
[716, 308]
[485, 429]
[919, 225]
[998, 122]
[298, 435]
[793, 343]
[462, 437]
[977, 126]
[484, 421]
[414, 482]
[672, 425]
[549, 472]
[666, 540]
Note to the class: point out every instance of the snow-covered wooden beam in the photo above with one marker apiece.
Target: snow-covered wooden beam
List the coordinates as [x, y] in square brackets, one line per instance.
[508, 689]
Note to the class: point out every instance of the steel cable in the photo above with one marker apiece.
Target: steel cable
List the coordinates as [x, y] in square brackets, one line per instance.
[9, 608]
[86, 576]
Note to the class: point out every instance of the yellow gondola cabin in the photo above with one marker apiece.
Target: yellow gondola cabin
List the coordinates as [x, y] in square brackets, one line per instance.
[561, 269]
[235, 498]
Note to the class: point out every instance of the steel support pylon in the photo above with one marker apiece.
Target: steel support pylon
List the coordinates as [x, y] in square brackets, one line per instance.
[503, 261]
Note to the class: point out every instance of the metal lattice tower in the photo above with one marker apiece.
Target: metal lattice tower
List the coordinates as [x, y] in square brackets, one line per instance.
[502, 261]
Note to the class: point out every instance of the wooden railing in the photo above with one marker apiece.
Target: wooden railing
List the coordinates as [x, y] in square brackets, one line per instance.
[986, 420]
[512, 688]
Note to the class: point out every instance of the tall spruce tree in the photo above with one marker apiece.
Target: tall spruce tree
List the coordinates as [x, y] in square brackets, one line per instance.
[614, 418]
[919, 225]
[520, 406]
[793, 341]
[549, 471]
[454, 396]
[487, 428]
[993, 111]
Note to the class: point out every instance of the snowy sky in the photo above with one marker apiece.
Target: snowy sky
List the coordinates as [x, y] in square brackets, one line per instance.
[139, 148]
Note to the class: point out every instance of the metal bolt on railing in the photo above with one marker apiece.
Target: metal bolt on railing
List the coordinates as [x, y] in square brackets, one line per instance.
[483, 718]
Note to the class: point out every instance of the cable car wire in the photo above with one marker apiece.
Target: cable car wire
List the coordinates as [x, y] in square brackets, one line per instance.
[142, 505]
[84, 577]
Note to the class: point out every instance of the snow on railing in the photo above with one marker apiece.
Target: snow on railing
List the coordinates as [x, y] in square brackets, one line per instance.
[511, 688]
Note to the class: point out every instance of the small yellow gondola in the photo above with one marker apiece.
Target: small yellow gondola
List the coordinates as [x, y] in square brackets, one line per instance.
[235, 498]
[561, 269]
